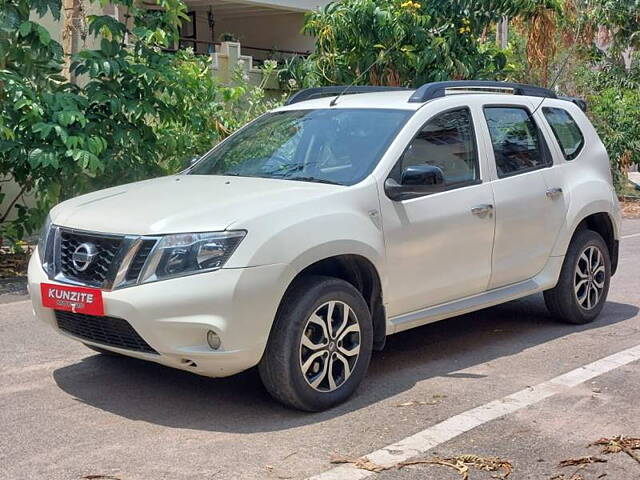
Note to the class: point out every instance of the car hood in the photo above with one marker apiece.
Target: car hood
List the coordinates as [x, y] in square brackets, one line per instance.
[183, 203]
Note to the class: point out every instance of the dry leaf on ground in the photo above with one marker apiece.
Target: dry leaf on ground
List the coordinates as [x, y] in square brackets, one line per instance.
[616, 444]
[619, 444]
[435, 399]
[630, 209]
[581, 461]
[460, 467]
[13, 265]
[363, 463]
[462, 463]
[100, 477]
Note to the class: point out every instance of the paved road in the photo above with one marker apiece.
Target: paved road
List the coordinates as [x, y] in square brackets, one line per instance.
[66, 412]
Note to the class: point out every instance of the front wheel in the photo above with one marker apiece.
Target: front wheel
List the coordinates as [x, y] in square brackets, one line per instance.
[583, 286]
[320, 345]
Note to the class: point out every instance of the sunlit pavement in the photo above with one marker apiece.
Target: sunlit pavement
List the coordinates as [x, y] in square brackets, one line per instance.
[66, 412]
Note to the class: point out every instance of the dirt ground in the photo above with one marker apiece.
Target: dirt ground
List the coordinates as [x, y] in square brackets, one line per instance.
[630, 209]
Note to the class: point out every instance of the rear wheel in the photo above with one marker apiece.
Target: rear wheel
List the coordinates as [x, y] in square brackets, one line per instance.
[583, 286]
[320, 345]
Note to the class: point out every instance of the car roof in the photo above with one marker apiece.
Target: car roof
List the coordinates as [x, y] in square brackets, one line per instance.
[399, 100]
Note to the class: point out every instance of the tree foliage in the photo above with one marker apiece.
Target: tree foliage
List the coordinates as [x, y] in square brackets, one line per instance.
[611, 84]
[613, 95]
[398, 42]
[621, 19]
[137, 111]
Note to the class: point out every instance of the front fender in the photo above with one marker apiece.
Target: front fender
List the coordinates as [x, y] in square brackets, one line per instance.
[345, 222]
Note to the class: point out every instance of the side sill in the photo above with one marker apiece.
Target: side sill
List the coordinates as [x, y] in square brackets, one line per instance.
[546, 279]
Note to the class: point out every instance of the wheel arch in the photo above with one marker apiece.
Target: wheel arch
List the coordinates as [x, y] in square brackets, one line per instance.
[359, 271]
[602, 223]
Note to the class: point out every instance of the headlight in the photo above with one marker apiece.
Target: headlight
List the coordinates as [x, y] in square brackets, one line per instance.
[43, 243]
[189, 253]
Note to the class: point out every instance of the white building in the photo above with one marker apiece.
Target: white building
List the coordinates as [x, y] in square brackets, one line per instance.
[264, 28]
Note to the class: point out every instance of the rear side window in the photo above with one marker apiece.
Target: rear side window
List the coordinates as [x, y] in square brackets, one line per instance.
[446, 141]
[566, 131]
[518, 144]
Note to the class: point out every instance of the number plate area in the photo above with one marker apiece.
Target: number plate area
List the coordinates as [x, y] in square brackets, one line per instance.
[72, 299]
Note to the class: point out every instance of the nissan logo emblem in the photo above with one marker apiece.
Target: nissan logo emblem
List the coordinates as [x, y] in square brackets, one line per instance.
[83, 255]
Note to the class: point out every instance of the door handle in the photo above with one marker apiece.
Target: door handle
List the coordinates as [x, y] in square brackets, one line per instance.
[554, 192]
[481, 210]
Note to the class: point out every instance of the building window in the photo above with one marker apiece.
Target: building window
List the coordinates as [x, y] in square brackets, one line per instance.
[188, 31]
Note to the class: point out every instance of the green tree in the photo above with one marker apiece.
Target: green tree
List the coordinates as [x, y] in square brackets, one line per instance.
[613, 95]
[620, 19]
[137, 111]
[398, 42]
[611, 84]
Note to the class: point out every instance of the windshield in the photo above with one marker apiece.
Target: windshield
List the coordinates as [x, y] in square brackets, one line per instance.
[340, 146]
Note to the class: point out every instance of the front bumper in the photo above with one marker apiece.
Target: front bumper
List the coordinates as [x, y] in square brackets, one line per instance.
[173, 316]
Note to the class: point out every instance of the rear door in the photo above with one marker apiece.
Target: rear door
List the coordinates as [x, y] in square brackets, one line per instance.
[527, 222]
[566, 141]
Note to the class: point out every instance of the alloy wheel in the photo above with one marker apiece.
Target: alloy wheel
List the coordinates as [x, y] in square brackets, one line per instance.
[589, 278]
[329, 346]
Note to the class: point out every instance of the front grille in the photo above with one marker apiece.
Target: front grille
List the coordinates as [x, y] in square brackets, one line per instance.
[140, 258]
[98, 270]
[110, 331]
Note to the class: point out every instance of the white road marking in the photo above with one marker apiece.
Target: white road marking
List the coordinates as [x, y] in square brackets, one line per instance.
[431, 437]
[631, 235]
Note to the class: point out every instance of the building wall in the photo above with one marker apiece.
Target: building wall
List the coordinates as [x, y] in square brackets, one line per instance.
[275, 31]
[299, 5]
[55, 26]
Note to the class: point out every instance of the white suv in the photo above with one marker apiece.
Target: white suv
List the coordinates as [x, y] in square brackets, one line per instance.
[299, 243]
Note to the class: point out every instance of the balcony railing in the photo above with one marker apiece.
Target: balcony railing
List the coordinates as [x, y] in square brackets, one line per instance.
[228, 57]
[259, 54]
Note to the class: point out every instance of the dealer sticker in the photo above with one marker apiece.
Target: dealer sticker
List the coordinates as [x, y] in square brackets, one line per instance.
[72, 299]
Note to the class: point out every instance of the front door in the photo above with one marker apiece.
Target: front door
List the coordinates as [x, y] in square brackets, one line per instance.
[439, 245]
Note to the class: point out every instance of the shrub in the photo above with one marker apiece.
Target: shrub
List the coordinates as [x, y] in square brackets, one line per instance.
[139, 111]
[613, 95]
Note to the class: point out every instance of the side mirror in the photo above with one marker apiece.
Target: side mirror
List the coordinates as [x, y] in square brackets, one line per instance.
[416, 181]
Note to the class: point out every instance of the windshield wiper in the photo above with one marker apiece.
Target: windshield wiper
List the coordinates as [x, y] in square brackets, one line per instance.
[312, 179]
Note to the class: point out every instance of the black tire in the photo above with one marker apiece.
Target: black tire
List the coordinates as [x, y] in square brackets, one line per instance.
[562, 300]
[281, 367]
[102, 350]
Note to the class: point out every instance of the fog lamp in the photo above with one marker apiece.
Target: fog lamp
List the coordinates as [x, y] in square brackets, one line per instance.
[213, 340]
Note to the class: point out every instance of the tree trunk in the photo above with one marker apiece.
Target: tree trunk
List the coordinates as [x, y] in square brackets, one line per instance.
[502, 32]
[72, 26]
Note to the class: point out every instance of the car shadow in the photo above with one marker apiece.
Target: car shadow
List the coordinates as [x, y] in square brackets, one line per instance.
[140, 390]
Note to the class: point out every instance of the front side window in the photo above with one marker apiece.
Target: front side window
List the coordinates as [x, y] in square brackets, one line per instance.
[446, 141]
[340, 146]
[518, 145]
[566, 131]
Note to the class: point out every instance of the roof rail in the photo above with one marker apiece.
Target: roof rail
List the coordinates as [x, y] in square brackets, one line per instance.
[320, 92]
[578, 101]
[432, 90]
